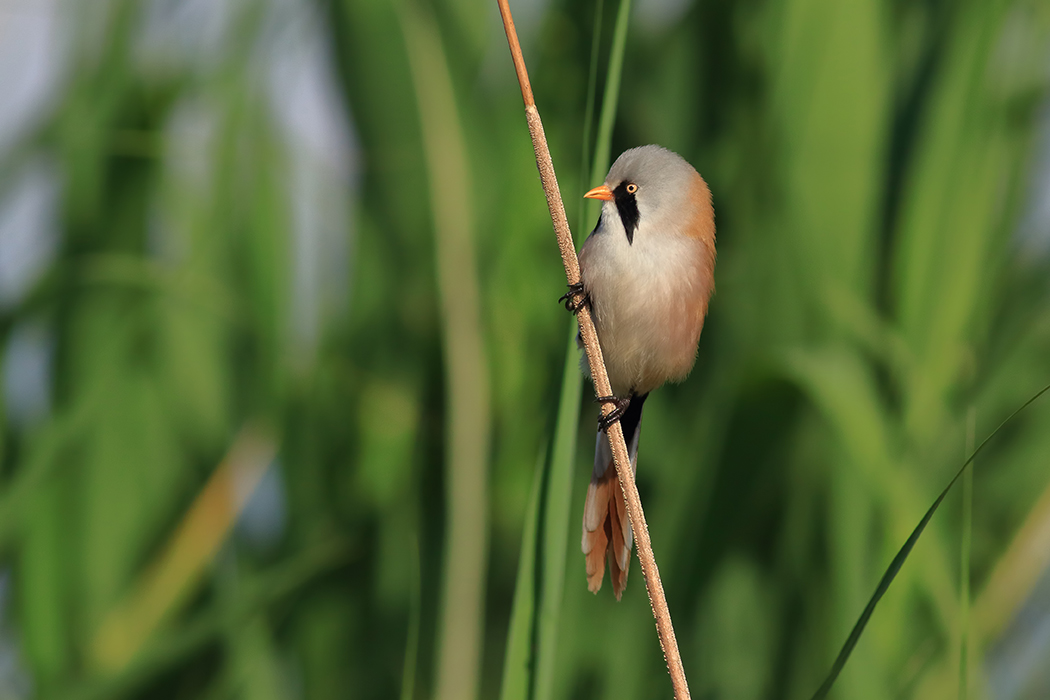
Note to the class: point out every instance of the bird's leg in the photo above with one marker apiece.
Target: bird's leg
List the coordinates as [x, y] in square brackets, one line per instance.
[575, 298]
[619, 408]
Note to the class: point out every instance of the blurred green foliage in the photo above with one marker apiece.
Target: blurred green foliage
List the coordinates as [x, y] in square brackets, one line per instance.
[869, 163]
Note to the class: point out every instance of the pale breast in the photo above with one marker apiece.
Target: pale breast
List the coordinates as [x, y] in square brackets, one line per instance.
[649, 300]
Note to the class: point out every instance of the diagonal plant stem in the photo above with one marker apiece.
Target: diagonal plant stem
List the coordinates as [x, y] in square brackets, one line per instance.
[165, 585]
[657, 599]
[902, 555]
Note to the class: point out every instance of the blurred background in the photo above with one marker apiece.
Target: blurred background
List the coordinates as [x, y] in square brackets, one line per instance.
[283, 369]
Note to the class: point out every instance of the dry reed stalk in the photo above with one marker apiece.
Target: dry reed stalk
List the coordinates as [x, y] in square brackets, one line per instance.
[653, 585]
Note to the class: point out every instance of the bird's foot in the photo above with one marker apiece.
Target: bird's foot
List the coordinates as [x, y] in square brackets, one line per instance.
[576, 298]
[619, 408]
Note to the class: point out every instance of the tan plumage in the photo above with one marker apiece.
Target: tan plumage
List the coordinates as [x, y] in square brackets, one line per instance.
[648, 271]
[606, 530]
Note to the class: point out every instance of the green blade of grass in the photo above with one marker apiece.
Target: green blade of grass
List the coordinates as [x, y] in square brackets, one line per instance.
[468, 419]
[902, 555]
[408, 672]
[518, 660]
[557, 507]
[964, 557]
[558, 497]
[610, 100]
[588, 113]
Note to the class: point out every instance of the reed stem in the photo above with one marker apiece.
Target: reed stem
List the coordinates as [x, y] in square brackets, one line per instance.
[653, 585]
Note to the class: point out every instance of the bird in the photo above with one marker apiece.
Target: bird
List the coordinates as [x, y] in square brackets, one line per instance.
[647, 274]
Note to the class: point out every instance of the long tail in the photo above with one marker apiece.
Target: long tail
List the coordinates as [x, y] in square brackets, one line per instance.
[607, 531]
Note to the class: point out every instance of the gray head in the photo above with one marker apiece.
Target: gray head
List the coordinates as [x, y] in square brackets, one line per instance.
[649, 183]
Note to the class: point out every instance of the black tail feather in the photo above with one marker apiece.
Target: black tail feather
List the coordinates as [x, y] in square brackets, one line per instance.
[632, 417]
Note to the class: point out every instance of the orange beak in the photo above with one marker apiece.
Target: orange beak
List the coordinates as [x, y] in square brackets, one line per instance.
[600, 192]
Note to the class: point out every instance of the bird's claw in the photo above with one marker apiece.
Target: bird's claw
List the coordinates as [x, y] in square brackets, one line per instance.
[575, 298]
[605, 420]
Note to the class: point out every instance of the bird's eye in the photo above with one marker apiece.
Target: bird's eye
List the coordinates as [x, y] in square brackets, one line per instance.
[632, 188]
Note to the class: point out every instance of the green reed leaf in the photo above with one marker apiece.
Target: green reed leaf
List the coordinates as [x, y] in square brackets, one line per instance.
[902, 555]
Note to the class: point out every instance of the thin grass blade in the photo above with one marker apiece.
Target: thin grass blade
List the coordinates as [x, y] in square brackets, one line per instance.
[468, 416]
[964, 559]
[517, 662]
[408, 672]
[610, 101]
[902, 555]
[558, 496]
[588, 112]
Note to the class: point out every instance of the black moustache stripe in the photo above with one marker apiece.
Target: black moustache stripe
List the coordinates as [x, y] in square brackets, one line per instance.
[627, 206]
